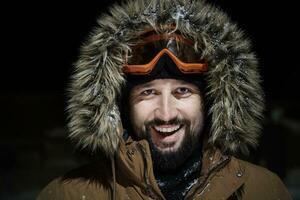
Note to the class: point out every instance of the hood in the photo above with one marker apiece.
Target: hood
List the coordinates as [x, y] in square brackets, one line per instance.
[234, 91]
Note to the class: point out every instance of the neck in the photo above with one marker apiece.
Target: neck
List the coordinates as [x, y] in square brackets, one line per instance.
[176, 184]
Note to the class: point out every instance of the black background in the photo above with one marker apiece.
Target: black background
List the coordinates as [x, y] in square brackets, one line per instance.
[41, 41]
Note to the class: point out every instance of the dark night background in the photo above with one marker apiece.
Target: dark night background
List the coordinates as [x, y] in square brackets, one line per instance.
[41, 41]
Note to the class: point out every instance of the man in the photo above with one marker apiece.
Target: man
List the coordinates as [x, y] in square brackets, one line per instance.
[165, 93]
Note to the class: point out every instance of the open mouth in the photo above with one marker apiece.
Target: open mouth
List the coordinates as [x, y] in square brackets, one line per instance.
[166, 130]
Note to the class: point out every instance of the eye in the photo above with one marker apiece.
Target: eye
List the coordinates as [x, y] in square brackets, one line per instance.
[183, 92]
[147, 92]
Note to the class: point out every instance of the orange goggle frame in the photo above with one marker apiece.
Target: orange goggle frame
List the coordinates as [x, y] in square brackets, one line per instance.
[186, 68]
[190, 67]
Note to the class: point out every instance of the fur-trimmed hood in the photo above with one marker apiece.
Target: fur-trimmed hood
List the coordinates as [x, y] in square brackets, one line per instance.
[233, 81]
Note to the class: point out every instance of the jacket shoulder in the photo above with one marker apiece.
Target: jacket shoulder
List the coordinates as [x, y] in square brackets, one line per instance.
[262, 182]
[86, 182]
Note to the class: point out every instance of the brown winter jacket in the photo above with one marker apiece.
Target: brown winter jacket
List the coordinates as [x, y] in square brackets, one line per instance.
[130, 176]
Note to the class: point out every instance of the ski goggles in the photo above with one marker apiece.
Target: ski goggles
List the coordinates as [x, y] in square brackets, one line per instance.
[152, 46]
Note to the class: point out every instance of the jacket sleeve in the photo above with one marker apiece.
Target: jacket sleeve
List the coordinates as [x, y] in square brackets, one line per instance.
[54, 190]
[279, 189]
[261, 183]
[69, 189]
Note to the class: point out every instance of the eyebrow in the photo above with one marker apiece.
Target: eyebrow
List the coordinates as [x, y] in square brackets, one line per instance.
[149, 84]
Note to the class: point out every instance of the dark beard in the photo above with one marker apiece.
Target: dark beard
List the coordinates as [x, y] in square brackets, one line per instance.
[170, 161]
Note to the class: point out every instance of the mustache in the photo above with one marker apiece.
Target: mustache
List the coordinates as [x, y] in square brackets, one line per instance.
[174, 121]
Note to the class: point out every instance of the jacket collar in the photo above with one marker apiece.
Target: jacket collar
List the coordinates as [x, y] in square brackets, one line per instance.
[221, 173]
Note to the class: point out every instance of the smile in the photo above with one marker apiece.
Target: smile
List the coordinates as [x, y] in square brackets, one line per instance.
[167, 129]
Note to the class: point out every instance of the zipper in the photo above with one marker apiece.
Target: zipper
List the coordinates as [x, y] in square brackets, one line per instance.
[149, 189]
[201, 185]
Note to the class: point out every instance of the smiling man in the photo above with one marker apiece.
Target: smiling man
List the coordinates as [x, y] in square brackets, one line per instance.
[169, 114]
[164, 95]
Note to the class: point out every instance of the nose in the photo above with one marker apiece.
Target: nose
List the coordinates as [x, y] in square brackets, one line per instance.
[166, 108]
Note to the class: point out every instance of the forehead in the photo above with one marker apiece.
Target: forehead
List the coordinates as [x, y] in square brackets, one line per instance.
[164, 83]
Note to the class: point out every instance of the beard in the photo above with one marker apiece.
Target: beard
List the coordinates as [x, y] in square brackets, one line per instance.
[168, 161]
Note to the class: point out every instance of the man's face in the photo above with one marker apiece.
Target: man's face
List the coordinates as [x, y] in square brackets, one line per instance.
[169, 114]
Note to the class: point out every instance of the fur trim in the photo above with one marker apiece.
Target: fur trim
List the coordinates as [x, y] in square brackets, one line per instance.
[233, 81]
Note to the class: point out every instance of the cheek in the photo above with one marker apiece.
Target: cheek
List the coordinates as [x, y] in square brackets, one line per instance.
[198, 117]
[197, 112]
[140, 113]
[193, 110]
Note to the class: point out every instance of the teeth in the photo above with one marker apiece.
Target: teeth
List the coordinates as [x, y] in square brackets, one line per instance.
[167, 130]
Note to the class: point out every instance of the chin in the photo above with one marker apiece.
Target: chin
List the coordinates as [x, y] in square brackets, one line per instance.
[166, 148]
